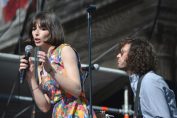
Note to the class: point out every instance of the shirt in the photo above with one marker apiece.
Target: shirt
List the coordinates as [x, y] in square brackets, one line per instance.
[156, 99]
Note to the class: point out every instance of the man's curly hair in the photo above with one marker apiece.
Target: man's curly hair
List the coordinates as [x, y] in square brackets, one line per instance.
[141, 56]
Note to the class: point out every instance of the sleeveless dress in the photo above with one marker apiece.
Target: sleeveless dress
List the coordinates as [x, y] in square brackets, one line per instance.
[64, 104]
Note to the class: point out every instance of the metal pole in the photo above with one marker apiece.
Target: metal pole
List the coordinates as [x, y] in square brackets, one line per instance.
[90, 10]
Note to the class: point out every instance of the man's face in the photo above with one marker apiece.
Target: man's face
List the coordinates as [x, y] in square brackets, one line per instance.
[122, 57]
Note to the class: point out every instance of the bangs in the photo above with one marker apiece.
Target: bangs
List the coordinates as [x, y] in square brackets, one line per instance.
[41, 21]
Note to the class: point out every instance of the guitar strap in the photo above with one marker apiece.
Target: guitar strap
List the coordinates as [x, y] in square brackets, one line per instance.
[137, 106]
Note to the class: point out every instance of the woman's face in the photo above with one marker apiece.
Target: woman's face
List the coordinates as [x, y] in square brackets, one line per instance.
[122, 57]
[40, 35]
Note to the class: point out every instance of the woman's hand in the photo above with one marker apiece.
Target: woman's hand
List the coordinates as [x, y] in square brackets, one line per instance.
[27, 64]
[45, 61]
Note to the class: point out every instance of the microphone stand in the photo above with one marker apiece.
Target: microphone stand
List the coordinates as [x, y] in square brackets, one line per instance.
[90, 10]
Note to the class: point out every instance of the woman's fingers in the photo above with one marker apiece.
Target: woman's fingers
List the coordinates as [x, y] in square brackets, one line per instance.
[22, 57]
[23, 66]
[42, 56]
[23, 63]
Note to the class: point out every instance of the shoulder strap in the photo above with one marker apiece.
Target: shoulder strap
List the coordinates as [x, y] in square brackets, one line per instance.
[137, 106]
[63, 45]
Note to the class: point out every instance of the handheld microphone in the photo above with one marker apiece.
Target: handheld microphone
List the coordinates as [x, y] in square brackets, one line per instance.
[28, 50]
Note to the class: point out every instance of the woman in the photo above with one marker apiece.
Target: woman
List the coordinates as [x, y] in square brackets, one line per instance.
[59, 72]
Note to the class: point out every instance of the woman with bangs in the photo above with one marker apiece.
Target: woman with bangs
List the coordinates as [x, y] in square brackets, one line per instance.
[59, 70]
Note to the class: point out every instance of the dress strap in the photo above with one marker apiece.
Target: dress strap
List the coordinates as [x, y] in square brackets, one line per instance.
[63, 45]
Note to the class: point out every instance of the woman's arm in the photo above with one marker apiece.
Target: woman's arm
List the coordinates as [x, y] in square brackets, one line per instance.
[42, 101]
[69, 77]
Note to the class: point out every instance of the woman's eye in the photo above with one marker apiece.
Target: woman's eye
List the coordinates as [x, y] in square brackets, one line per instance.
[33, 28]
[43, 28]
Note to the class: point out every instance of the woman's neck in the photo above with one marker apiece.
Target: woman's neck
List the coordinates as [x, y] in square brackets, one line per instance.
[46, 48]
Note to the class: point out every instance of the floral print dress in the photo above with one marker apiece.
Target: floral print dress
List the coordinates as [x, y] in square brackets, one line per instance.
[64, 104]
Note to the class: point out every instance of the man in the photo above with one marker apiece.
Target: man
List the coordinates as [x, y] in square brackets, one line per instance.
[154, 99]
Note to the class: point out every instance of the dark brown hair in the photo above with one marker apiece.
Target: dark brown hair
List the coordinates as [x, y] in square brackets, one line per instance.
[49, 21]
[141, 56]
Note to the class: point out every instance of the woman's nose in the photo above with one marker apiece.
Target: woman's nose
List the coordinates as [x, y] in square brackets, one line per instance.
[36, 32]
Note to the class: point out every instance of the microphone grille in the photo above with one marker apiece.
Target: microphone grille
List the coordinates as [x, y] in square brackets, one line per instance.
[28, 48]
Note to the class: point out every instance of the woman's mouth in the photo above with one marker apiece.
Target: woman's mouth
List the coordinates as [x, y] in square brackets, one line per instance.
[36, 40]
